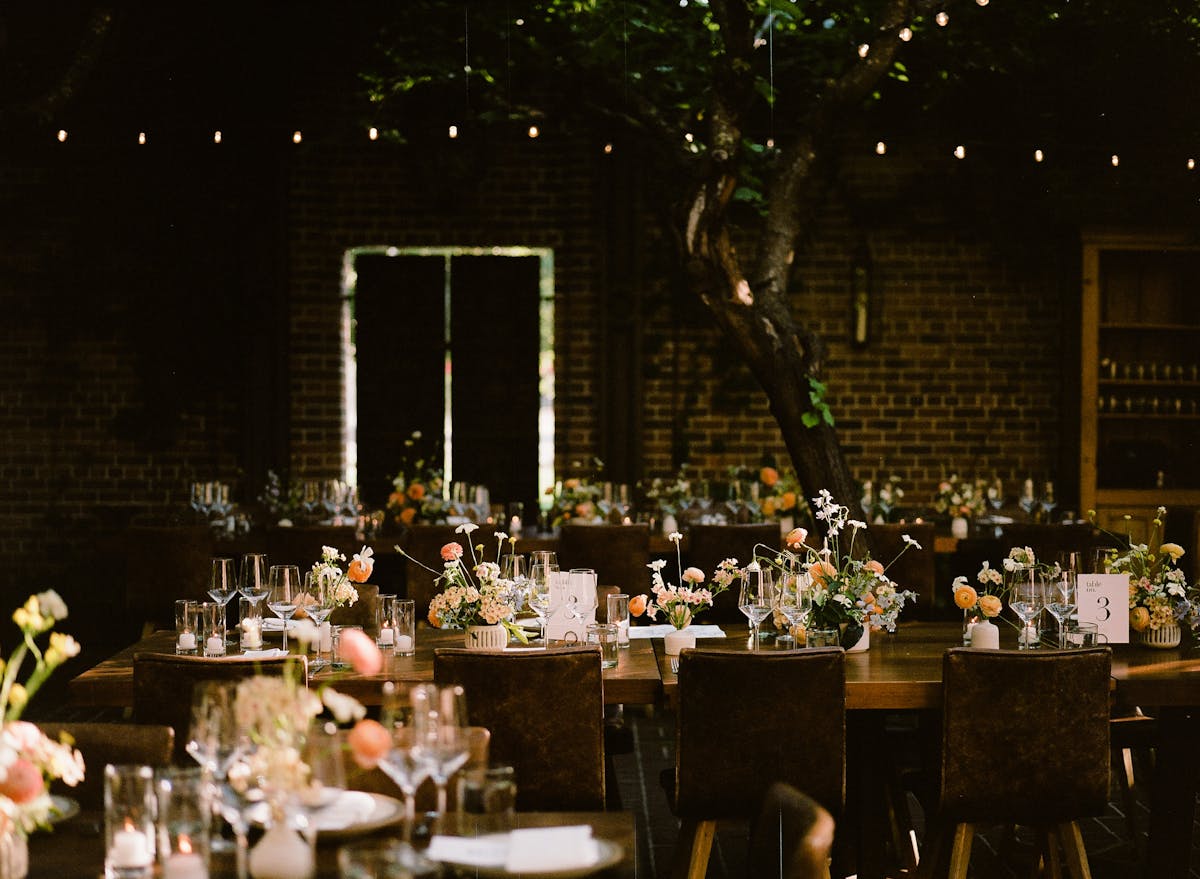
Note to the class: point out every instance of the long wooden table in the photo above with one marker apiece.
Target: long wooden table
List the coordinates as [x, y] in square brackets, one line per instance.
[75, 850]
[635, 680]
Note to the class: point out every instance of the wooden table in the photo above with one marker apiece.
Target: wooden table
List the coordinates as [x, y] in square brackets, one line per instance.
[75, 850]
[635, 680]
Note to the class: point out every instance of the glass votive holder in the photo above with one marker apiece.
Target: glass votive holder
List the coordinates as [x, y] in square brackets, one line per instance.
[130, 815]
[212, 627]
[605, 635]
[383, 859]
[618, 615]
[187, 625]
[250, 625]
[489, 790]
[338, 661]
[385, 620]
[184, 812]
[820, 637]
[405, 618]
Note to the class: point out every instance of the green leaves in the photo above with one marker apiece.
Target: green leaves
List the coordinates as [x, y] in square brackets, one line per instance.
[820, 411]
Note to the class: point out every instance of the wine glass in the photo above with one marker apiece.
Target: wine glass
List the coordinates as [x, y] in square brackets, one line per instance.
[757, 598]
[253, 581]
[1061, 599]
[405, 714]
[318, 606]
[795, 598]
[1027, 597]
[214, 739]
[445, 741]
[512, 570]
[222, 584]
[284, 593]
[540, 578]
[326, 771]
[582, 601]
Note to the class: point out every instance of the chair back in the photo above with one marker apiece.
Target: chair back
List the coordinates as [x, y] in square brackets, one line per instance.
[747, 720]
[791, 838]
[425, 542]
[163, 683]
[1025, 734]
[362, 612]
[101, 743]
[617, 553]
[913, 568]
[709, 545]
[545, 710]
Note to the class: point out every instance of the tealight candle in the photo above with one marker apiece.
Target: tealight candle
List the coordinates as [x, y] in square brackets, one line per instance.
[130, 848]
[404, 643]
[387, 636]
[185, 863]
[187, 641]
[214, 646]
[251, 634]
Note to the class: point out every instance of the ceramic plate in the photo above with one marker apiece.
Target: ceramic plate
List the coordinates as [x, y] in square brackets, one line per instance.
[353, 813]
[608, 853]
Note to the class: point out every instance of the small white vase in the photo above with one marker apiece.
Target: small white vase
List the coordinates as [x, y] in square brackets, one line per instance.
[985, 636]
[282, 853]
[676, 639]
[486, 637]
[669, 524]
[1163, 638]
[14, 856]
[960, 528]
[863, 644]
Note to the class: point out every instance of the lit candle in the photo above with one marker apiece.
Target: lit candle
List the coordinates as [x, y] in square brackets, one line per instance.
[185, 863]
[130, 848]
[404, 643]
[251, 634]
[387, 636]
[214, 646]
[187, 641]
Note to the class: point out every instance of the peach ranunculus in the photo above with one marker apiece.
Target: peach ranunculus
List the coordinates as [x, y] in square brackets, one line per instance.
[416, 491]
[768, 507]
[795, 538]
[990, 605]
[433, 618]
[637, 605]
[571, 484]
[395, 499]
[585, 509]
[820, 571]
[768, 476]
[1174, 550]
[368, 741]
[965, 597]
[452, 551]
[787, 501]
[873, 565]
[359, 648]
[360, 567]
[1139, 619]
[23, 782]
[407, 515]
[694, 576]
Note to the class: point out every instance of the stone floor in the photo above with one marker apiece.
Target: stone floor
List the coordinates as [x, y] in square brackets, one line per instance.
[995, 854]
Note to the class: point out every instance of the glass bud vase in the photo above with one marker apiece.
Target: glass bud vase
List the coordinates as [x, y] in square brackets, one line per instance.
[971, 618]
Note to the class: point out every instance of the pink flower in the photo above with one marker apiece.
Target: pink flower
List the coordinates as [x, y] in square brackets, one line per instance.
[23, 782]
[452, 551]
[796, 537]
[693, 575]
[361, 651]
[369, 742]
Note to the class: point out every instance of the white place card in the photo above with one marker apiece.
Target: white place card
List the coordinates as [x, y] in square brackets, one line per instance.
[1104, 600]
[572, 606]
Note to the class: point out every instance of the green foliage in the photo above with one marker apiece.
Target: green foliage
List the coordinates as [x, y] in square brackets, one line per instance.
[820, 411]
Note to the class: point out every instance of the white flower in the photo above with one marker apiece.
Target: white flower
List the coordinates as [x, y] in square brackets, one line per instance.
[52, 605]
[910, 541]
[344, 708]
[364, 556]
[466, 528]
[675, 537]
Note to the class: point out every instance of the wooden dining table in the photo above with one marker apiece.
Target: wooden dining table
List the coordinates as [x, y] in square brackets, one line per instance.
[75, 849]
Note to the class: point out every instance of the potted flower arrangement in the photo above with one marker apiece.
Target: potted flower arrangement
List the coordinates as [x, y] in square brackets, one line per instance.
[679, 603]
[476, 598]
[416, 490]
[851, 591]
[29, 760]
[671, 497]
[1160, 601]
[780, 497]
[980, 606]
[879, 506]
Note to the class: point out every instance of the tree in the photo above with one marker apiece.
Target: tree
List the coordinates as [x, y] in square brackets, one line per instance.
[739, 105]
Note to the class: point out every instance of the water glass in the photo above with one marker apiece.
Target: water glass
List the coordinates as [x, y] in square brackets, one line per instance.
[184, 817]
[489, 791]
[187, 625]
[130, 817]
[385, 620]
[823, 638]
[605, 635]
[1077, 635]
[212, 627]
[250, 624]
[405, 619]
[618, 615]
[339, 663]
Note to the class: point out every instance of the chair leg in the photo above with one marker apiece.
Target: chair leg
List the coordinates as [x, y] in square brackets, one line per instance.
[1071, 840]
[933, 849]
[960, 854]
[692, 849]
[1048, 862]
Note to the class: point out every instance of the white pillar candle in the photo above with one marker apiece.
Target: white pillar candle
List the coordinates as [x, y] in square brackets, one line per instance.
[187, 641]
[387, 636]
[325, 643]
[183, 865]
[404, 643]
[214, 646]
[251, 634]
[130, 848]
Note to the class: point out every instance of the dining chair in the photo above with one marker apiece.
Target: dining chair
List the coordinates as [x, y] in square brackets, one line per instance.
[103, 742]
[913, 568]
[163, 683]
[545, 710]
[709, 545]
[791, 837]
[1025, 740]
[425, 542]
[617, 553]
[745, 721]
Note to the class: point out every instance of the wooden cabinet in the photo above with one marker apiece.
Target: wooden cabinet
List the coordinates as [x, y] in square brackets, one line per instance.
[1140, 373]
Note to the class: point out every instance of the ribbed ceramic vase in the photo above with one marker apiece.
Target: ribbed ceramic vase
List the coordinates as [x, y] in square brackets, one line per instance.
[1163, 638]
[486, 637]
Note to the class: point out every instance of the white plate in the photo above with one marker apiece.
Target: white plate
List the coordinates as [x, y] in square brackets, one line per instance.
[354, 812]
[608, 853]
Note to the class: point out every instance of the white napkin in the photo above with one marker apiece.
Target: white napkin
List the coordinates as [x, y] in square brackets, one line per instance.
[473, 851]
[349, 808]
[659, 631]
[269, 653]
[542, 849]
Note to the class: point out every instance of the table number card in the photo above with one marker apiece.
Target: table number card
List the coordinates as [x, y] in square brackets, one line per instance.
[1104, 600]
[572, 606]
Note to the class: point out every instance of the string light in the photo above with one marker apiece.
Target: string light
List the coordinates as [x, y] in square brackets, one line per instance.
[1038, 155]
[689, 137]
[297, 136]
[216, 137]
[942, 19]
[880, 148]
[62, 135]
[1191, 163]
[533, 131]
[770, 143]
[863, 49]
[982, 2]
[608, 148]
[142, 138]
[453, 131]
[960, 152]
[373, 133]
[906, 34]
[1116, 160]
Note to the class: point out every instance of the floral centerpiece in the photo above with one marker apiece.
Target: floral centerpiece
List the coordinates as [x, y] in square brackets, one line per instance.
[284, 504]
[679, 603]
[471, 596]
[982, 604]
[1160, 601]
[880, 504]
[29, 760]
[417, 488]
[670, 496]
[850, 590]
[960, 498]
[780, 496]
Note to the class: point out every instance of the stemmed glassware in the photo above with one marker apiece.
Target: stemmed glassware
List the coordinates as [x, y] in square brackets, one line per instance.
[582, 601]
[446, 741]
[540, 576]
[794, 598]
[757, 597]
[222, 582]
[512, 569]
[318, 608]
[284, 594]
[1061, 594]
[253, 578]
[405, 714]
[322, 755]
[214, 741]
[1027, 597]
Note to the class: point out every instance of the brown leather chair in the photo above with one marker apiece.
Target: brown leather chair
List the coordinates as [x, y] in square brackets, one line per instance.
[709, 545]
[102, 743]
[1025, 740]
[545, 710]
[913, 568]
[791, 838]
[163, 682]
[617, 553]
[729, 750]
[425, 542]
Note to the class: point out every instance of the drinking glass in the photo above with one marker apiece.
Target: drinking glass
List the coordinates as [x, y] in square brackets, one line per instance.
[253, 578]
[757, 598]
[795, 598]
[1027, 597]
[322, 754]
[318, 606]
[581, 605]
[446, 740]
[1061, 600]
[284, 593]
[214, 742]
[222, 581]
[544, 557]
[540, 576]
[405, 714]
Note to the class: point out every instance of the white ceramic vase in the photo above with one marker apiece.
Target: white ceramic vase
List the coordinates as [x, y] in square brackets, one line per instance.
[486, 637]
[282, 853]
[676, 639]
[985, 636]
[1163, 638]
[14, 856]
[960, 528]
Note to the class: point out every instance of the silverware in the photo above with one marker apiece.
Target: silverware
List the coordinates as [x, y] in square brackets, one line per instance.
[675, 664]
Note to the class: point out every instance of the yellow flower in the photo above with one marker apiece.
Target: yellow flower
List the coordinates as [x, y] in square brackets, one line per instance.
[1139, 619]
[991, 605]
[1174, 550]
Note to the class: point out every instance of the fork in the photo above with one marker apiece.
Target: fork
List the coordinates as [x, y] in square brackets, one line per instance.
[675, 665]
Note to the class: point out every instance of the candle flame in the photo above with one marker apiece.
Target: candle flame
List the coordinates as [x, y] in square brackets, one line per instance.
[185, 844]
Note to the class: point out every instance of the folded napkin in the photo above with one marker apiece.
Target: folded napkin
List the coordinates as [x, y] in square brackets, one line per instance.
[472, 851]
[528, 850]
[659, 631]
[269, 653]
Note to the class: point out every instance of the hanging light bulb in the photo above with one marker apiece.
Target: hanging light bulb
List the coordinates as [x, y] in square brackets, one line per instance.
[982, 2]
[960, 152]
[533, 131]
[216, 137]
[770, 143]
[608, 148]
[1038, 155]
[1191, 163]
[906, 34]
[942, 19]
[297, 137]
[880, 148]
[142, 138]
[62, 135]
[1116, 160]
[453, 131]
[373, 133]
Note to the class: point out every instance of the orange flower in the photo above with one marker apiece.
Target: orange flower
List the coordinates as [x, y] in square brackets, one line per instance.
[395, 499]
[359, 570]
[637, 605]
[416, 491]
[768, 507]
[433, 618]
[23, 783]
[452, 551]
[787, 501]
[768, 476]
[407, 515]
[796, 537]
[368, 742]
[820, 571]
[965, 597]
[873, 565]
[360, 649]
[571, 484]
[1139, 619]
[991, 605]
